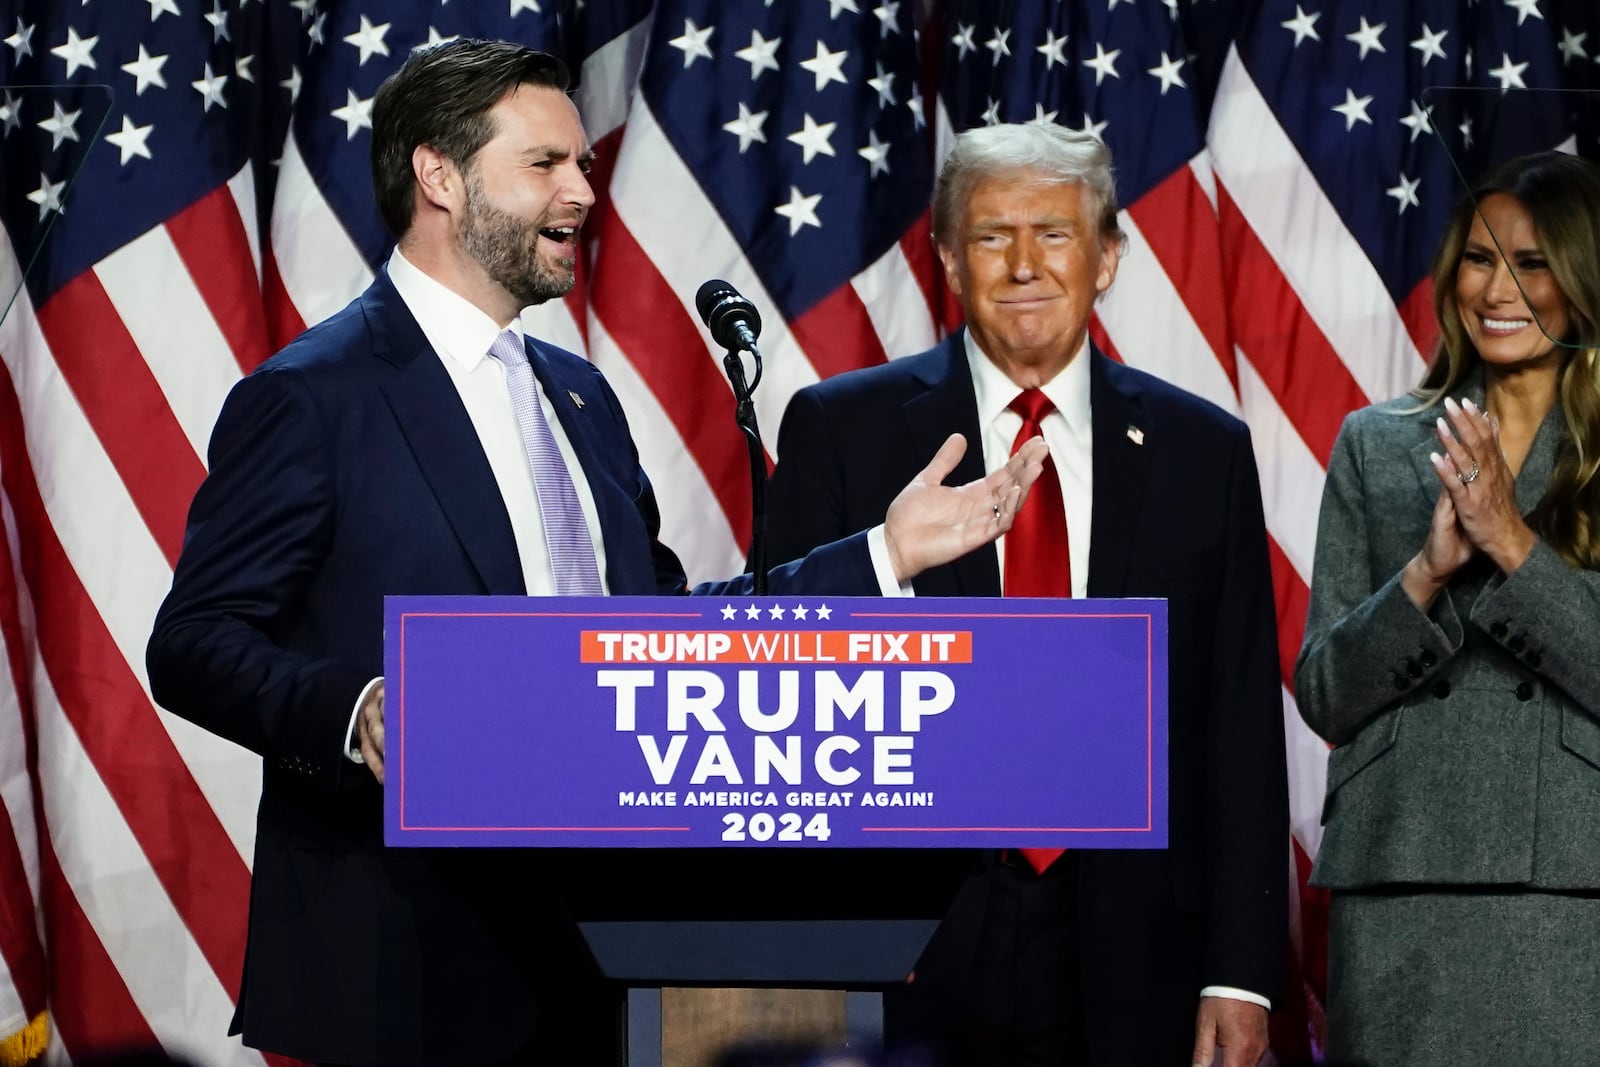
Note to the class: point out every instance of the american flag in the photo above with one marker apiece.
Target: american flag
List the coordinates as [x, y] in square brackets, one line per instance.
[194, 176]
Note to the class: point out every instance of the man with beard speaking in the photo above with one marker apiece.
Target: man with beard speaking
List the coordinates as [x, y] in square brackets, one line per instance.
[417, 443]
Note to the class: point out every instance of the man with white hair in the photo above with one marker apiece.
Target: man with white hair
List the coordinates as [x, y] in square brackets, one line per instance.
[1092, 956]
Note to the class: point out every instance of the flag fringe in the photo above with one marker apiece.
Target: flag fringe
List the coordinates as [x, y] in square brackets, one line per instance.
[27, 1044]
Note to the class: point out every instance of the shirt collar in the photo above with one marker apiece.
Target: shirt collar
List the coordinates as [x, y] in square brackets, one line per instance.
[456, 328]
[1068, 390]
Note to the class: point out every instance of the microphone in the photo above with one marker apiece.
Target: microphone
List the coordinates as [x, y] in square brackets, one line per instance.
[733, 321]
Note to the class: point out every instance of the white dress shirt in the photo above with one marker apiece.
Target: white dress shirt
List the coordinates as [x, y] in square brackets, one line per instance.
[1069, 431]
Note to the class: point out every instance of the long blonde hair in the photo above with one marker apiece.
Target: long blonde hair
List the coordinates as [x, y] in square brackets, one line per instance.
[1561, 194]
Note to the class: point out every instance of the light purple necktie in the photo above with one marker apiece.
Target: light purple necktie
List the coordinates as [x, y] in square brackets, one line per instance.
[565, 531]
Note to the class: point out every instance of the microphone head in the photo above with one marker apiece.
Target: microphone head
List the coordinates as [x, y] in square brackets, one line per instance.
[721, 308]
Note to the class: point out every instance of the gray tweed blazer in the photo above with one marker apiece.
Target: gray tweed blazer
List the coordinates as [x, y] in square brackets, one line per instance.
[1468, 738]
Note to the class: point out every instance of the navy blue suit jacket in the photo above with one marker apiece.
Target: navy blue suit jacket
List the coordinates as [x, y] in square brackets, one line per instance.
[1177, 515]
[346, 468]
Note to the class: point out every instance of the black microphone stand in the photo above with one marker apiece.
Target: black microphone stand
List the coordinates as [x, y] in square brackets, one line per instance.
[745, 415]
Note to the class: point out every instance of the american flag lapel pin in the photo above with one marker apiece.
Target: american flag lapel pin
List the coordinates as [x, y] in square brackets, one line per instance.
[576, 399]
[1136, 435]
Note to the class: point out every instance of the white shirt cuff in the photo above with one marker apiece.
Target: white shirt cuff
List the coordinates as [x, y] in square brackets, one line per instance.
[1230, 993]
[352, 740]
[878, 548]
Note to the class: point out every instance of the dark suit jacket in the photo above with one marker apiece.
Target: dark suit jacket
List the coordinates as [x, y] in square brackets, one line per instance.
[1178, 517]
[346, 468]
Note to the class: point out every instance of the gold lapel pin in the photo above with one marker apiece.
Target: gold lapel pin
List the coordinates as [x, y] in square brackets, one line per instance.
[1136, 435]
[576, 399]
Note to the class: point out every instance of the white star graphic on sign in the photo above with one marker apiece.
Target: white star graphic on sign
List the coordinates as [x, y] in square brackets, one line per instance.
[813, 137]
[369, 40]
[292, 83]
[48, 196]
[10, 115]
[918, 117]
[435, 37]
[219, 23]
[1304, 24]
[826, 66]
[991, 115]
[1405, 193]
[692, 42]
[1430, 44]
[876, 153]
[21, 42]
[752, 612]
[799, 611]
[888, 22]
[1525, 8]
[356, 114]
[800, 210]
[1509, 73]
[747, 127]
[836, 6]
[1091, 128]
[1354, 110]
[760, 53]
[1053, 49]
[776, 612]
[824, 612]
[131, 140]
[61, 126]
[728, 611]
[1104, 63]
[163, 7]
[1418, 122]
[146, 71]
[78, 51]
[883, 85]
[963, 40]
[1368, 38]
[211, 88]
[525, 5]
[1571, 46]
[998, 44]
[1041, 117]
[1168, 73]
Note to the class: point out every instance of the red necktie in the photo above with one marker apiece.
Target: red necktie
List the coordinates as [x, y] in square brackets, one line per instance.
[1037, 561]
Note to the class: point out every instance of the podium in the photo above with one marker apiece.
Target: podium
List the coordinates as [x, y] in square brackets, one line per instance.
[772, 793]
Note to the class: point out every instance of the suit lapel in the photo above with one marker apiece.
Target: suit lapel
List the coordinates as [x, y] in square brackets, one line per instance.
[436, 425]
[592, 443]
[1124, 439]
[949, 404]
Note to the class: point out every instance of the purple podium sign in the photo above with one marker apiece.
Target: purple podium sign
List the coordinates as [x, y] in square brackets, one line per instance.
[776, 722]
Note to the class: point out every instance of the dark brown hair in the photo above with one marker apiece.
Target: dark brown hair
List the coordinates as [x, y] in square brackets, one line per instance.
[441, 97]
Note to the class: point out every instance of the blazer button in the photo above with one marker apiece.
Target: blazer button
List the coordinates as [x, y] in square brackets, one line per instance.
[1413, 668]
[1441, 688]
[1516, 644]
[1429, 660]
[1498, 631]
[1525, 691]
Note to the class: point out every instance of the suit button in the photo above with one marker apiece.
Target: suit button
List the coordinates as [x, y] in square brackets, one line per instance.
[1401, 682]
[1429, 660]
[1498, 631]
[1413, 668]
[1525, 691]
[1532, 658]
[1516, 644]
[1441, 688]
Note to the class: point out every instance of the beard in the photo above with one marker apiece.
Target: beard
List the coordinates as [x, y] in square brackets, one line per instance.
[506, 246]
